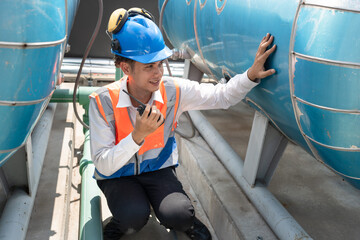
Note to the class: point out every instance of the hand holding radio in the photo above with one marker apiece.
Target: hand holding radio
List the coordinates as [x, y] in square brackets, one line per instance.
[147, 121]
[141, 107]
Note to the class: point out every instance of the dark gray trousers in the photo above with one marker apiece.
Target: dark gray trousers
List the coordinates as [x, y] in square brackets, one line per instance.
[129, 200]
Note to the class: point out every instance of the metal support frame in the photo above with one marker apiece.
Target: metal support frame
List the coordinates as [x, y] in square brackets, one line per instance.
[265, 148]
[4, 184]
[16, 169]
[21, 175]
[192, 72]
[274, 213]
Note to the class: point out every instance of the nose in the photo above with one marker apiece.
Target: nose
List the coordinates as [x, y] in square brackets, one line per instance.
[159, 69]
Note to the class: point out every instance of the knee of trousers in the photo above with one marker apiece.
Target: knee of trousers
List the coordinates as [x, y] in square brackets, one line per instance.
[178, 215]
[131, 220]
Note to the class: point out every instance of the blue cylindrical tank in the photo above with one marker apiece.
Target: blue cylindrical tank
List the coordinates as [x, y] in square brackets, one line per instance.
[33, 36]
[314, 98]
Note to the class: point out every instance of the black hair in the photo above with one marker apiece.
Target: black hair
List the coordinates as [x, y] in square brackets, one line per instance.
[118, 59]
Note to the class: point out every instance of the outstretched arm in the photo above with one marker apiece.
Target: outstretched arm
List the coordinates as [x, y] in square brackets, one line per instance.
[195, 96]
[257, 70]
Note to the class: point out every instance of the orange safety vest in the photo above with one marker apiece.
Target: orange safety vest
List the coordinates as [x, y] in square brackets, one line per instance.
[123, 126]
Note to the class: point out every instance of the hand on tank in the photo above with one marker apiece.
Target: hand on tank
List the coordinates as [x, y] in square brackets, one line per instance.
[147, 123]
[257, 70]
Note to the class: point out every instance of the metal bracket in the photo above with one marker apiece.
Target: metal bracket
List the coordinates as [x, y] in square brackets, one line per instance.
[4, 184]
[20, 175]
[31, 168]
[266, 146]
[192, 72]
[16, 169]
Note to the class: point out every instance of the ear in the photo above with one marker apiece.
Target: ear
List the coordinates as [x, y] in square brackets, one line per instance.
[125, 67]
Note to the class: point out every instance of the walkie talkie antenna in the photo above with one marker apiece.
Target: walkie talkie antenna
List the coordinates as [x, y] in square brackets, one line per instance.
[142, 106]
[134, 98]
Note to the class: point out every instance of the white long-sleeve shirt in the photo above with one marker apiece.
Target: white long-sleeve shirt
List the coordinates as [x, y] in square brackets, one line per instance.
[108, 157]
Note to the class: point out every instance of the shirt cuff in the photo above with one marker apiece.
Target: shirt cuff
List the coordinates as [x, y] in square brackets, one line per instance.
[131, 144]
[244, 81]
[256, 81]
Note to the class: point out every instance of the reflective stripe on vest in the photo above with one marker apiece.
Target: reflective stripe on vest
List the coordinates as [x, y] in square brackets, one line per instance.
[159, 148]
[98, 102]
[124, 126]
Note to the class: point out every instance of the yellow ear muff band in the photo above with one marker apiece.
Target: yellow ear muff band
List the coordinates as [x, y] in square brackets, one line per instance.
[117, 20]
[135, 10]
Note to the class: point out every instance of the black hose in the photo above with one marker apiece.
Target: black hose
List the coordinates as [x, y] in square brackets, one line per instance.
[88, 48]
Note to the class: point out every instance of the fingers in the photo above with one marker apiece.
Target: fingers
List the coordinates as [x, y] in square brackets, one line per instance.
[147, 123]
[265, 42]
[257, 69]
[267, 73]
[265, 55]
[270, 51]
[146, 112]
[161, 120]
[156, 116]
[153, 113]
[265, 38]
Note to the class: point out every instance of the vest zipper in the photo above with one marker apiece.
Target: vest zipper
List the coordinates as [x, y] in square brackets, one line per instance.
[136, 165]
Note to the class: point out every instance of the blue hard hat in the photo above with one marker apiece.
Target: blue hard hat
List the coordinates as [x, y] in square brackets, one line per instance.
[140, 39]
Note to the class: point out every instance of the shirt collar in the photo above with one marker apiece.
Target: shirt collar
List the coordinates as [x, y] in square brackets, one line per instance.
[124, 99]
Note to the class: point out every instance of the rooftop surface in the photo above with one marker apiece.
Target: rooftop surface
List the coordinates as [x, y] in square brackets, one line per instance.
[323, 204]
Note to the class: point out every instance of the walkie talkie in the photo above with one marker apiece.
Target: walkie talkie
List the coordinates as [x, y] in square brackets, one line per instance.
[142, 106]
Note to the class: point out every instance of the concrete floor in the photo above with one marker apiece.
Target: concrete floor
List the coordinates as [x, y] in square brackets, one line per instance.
[57, 205]
[325, 206]
[56, 209]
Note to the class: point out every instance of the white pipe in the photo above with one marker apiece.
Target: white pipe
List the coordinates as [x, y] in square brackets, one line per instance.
[276, 216]
[100, 69]
[16, 215]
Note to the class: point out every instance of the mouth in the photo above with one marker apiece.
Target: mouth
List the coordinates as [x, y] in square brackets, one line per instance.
[155, 82]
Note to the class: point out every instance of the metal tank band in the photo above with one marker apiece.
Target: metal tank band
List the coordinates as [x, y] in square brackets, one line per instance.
[317, 147]
[28, 45]
[313, 96]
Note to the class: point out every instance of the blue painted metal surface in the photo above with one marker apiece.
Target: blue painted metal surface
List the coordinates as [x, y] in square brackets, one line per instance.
[314, 97]
[33, 35]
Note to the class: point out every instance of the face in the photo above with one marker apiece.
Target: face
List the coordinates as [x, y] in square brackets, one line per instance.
[144, 78]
